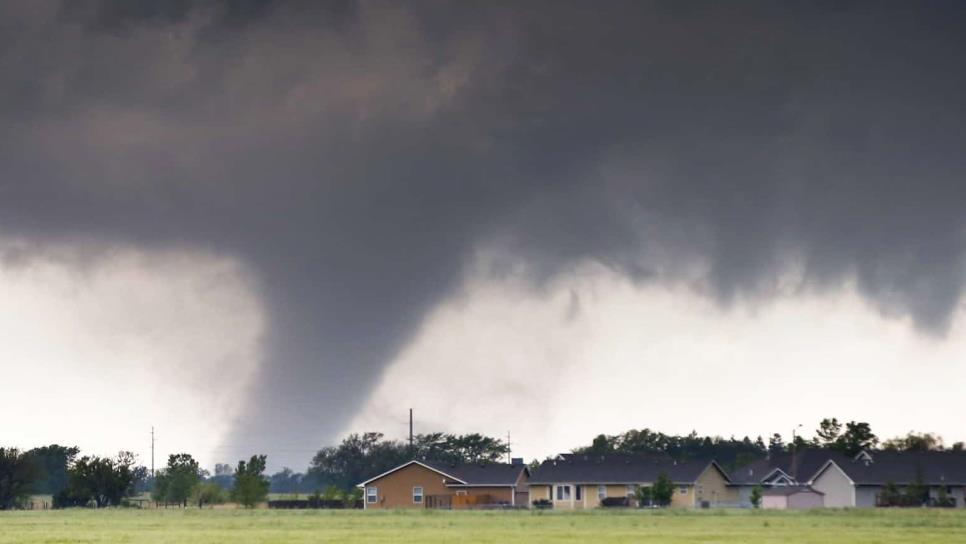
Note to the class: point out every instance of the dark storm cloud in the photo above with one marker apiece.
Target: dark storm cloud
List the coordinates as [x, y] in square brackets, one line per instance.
[356, 155]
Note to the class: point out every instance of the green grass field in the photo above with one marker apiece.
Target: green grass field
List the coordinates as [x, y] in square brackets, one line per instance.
[209, 526]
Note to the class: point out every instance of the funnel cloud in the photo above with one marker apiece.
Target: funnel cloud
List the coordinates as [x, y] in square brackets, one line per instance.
[356, 156]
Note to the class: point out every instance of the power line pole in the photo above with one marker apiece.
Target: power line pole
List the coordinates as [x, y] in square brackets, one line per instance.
[509, 455]
[411, 431]
[152, 451]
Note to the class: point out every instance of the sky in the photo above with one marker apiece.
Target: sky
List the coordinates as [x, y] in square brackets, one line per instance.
[258, 226]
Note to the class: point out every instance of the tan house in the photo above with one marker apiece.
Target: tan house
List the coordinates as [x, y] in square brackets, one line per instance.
[576, 481]
[861, 482]
[426, 484]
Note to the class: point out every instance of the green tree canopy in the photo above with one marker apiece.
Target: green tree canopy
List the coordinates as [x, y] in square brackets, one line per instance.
[179, 478]
[251, 486]
[101, 480]
[19, 475]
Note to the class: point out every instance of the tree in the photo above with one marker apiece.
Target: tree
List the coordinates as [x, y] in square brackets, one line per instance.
[207, 493]
[99, 480]
[663, 490]
[828, 432]
[140, 480]
[19, 476]
[857, 437]
[915, 442]
[180, 477]
[755, 497]
[159, 491]
[917, 493]
[251, 487]
[53, 461]
[286, 481]
[357, 458]
[890, 495]
[351, 497]
[776, 445]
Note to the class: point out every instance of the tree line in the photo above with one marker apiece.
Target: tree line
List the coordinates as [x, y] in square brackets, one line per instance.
[91, 480]
[849, 438]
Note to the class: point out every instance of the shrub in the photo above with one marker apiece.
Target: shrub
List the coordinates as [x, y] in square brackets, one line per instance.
[612, 502]
[542, 504]
[755, 497]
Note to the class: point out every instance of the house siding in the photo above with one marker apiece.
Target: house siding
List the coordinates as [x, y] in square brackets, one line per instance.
[539, 492]
[711, 486]
[838, 489]
[865, 495]
[395, 490]
[801, 501]
[774, 502]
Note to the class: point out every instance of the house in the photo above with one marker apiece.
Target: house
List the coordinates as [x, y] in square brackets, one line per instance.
[428, 484]
[782, 470]
[860, 481]
[575, 481]
[791, 497]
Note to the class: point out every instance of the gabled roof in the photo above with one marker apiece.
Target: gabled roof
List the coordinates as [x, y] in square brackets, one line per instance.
[801, 467]
[484, 474]
[487, 474]
[900, 468]
[618, 469]
[406, 464]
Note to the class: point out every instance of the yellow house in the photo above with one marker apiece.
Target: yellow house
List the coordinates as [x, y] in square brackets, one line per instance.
[576, 481]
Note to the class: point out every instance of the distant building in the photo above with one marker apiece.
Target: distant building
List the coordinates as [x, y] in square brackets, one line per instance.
[860, 481]
[427, 484]
[576, 481]
[783, 470]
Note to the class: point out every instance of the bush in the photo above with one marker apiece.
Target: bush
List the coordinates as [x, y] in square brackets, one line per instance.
[755, 497]
[542, 504]
[208, 493]
[612, 502]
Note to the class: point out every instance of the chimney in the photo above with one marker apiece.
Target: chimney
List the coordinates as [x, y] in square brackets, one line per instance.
[516, 461]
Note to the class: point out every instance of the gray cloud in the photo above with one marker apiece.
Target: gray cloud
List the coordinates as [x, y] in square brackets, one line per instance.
[355, 155]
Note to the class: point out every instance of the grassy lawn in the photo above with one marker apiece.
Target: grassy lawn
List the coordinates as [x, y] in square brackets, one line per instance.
[209, 526]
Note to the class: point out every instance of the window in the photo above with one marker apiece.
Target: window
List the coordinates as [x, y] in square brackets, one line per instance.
[683, 490]
[563, 492]
[417, 494]
[630, 490]
[579, 493]
[602, 492]
[371, 494]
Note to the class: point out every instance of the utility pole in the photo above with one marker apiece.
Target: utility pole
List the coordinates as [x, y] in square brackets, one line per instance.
[411, 431]
[509, 455]
[152, 451]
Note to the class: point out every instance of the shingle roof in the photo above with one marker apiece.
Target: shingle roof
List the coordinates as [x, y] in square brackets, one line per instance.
[935, 468]
[490, 474]
[616, 469]
[496, 474]
[789, 490]
[801, 466]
